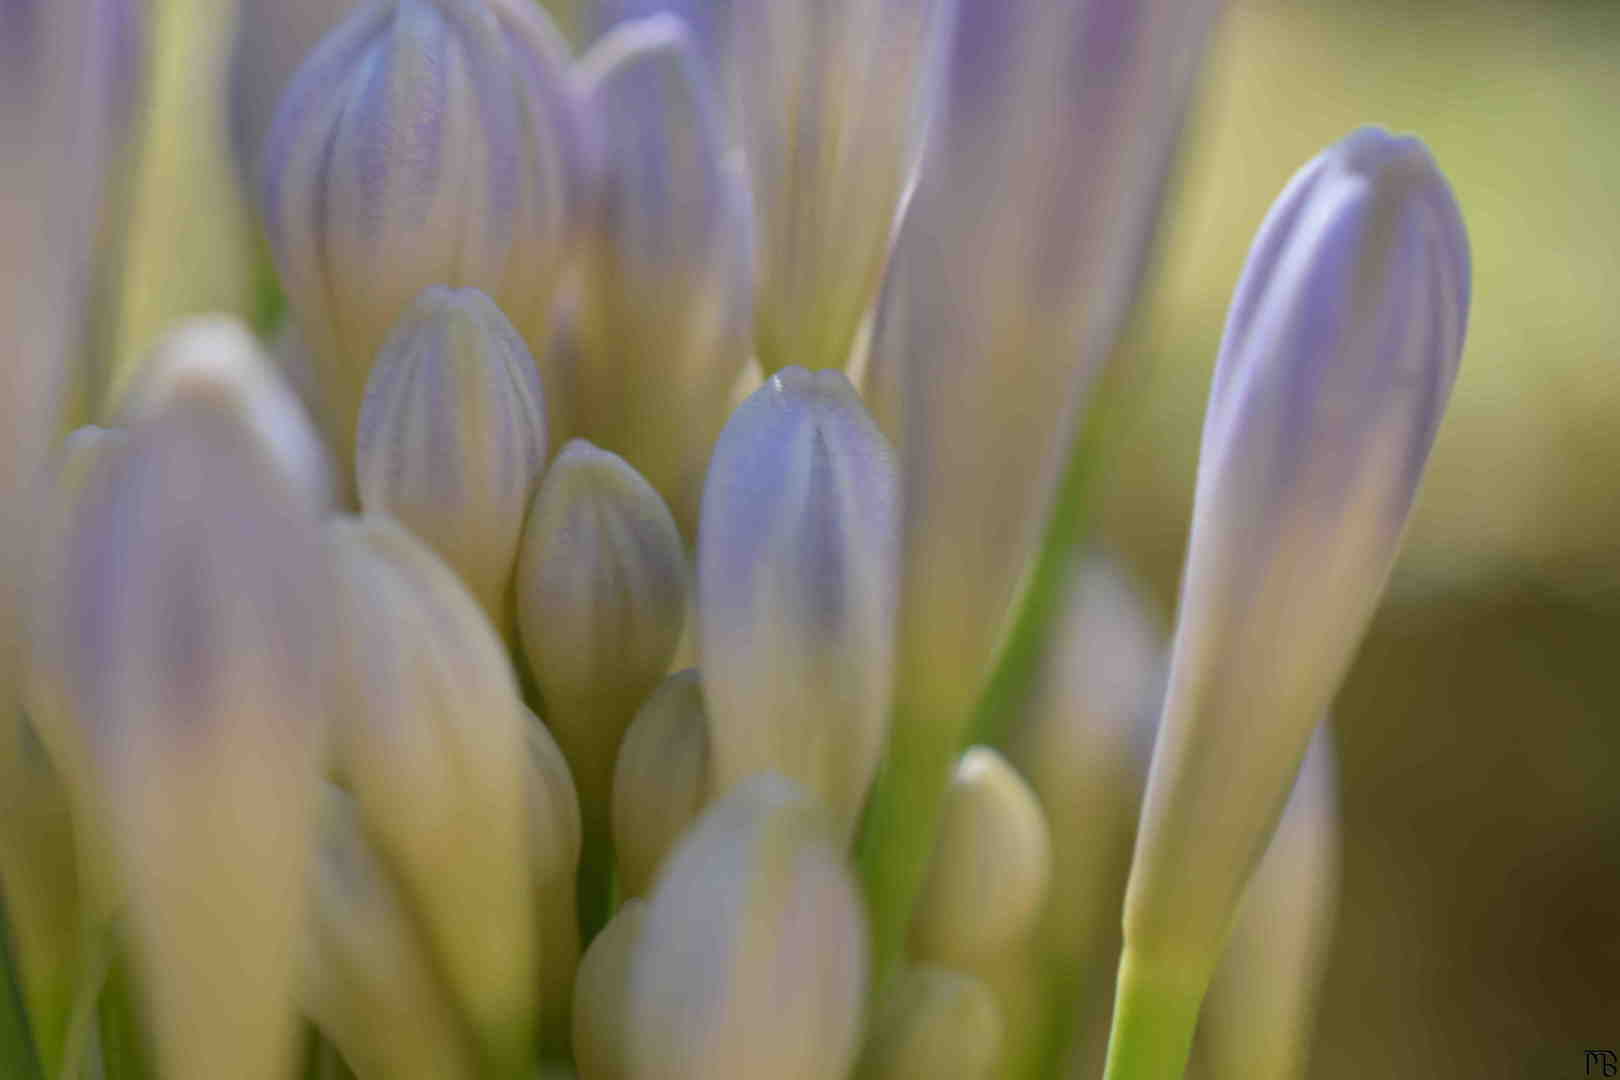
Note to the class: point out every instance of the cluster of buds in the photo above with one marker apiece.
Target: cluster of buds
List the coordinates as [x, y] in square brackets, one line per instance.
[560, 651]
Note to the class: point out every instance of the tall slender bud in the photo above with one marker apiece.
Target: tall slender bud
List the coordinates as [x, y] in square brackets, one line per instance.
[752, 958]
[424, 142]
[664, 318]
[1262, 1005]
[602, 997]
[189, 647]
[367, 978]
[431, 740]
[986, 888]
[797, 577]
[1340, 351]
[602, 595]
[936, 1025]
[555, 843]
[661, 780]
[452, 437]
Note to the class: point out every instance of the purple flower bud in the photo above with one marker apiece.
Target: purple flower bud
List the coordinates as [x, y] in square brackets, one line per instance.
[424, 142]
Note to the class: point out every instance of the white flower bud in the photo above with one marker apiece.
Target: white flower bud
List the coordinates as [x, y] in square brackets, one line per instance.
[661, 780]
[666, 303]
[602, 593]
[452, 437]
[431, 739]
[752, 958]
[189, 645]
[937, 1025]
[555, 842]
[424, 142]
[368, 979]
[797, 577]
[986, 888]
[602, 998]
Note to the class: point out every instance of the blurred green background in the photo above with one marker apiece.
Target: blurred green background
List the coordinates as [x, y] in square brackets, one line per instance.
[1480, 730]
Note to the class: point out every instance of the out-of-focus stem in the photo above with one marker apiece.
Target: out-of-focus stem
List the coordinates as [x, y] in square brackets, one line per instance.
[16, 1046]
[595, 889]
[1155, 1014]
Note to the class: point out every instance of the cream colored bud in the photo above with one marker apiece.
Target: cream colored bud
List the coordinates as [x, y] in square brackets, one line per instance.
[661, 780]
[431, 739]
[368, 979]
[452, 436]
[602, 587]
[602, 998]
[555, 841]
[752, 959]
[987, 884]
[936, 1025]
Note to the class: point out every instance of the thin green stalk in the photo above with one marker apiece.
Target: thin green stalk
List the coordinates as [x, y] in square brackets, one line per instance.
[1155, 1014]
[125, 1051]
[595, 886]
[17, 1055]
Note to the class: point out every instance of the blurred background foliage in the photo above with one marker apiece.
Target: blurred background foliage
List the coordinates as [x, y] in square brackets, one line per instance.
[1480, 730]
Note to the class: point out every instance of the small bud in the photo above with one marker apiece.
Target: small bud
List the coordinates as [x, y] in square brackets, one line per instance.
[1340, 350]
[555, 842]
[432, 743]
[602, 593]
[937, 1025]
[216, 355]
[752, 959]
[452, 437]
[986, 888]
[661, 780]
[1262, 1005]
[796, 588]
[368, 980]
[667, 292]
[602, 998]
[190, 647]
[423, 142]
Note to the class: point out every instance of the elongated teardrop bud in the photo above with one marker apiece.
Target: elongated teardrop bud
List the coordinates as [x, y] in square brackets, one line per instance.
[661, 780]
[666, 300]
[424, 142]
[937, 1025]
[797, 578]
[431, 740]
[1339, 355]
[752, 958]
[452, 437]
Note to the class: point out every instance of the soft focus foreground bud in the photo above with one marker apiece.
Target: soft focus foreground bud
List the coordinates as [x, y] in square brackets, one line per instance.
[937, 1025]
[217, 355]
[1340, 350]
[602, 595]
[432, 742]
[1262, 1005]
[273, 38]
[602, 998]
[555, 841]
[752, 958]
[665, 310]
[452, 437]
[189, 647]
[401, 99]
[987, 885]
[368, 980]
[661, 779]
[796, 584]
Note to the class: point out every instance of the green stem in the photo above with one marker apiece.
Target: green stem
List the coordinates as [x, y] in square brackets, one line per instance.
[125, 1051]
[16, 1044]
[1155, 1014]
[595, 886]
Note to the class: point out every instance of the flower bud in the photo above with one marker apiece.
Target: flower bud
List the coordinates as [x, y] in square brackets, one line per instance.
[423, 142]
[986, 887]
[432, 743]
[602, 592]
[661, 780]
[555, 841]
[752, 959]
[667, 298]
[1340, 351]
[368, 980]
[189, 647]
[602, 998]
[796, 586]
[1263, 1002]
[273, 38]
[452, 437]
[218, 356]
[937, 1025]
